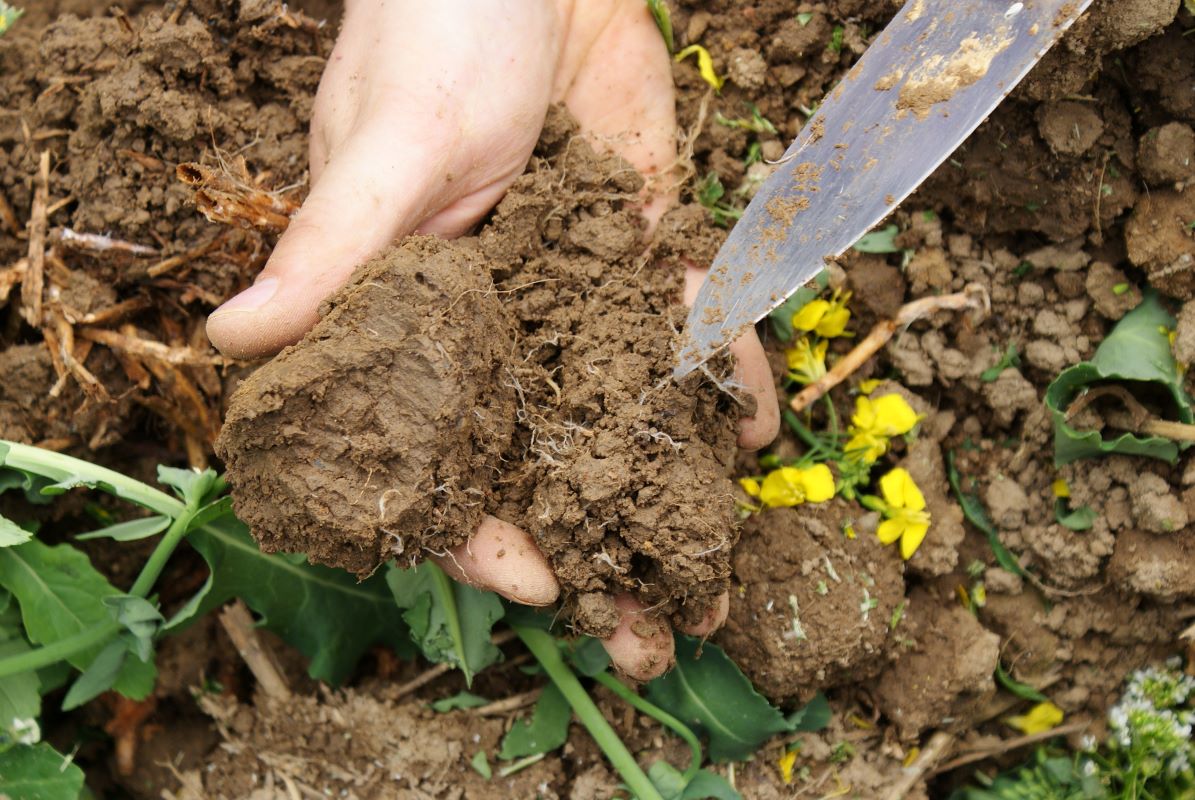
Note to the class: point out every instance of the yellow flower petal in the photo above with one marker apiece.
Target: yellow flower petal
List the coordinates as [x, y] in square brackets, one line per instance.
[869, 386]
[833, 322]
[786, 764]
[810, 315]
[819, 483]
[750, 486]
[900, 491]
[783, 488]
[890, 530]
[1042, 717]
[806, 361]
[914, 535]
[865, 448]
[893, 415]
[705, 64]
[1061, 489]
[864, 418]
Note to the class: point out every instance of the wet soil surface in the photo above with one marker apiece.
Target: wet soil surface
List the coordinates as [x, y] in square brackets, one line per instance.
[1071, 199]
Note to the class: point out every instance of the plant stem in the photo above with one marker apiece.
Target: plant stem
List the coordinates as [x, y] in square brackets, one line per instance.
[58, 467]
[443, 588]
[663, 717]
[161, 554]
[60, 650]
[543, 647]
[807, 436]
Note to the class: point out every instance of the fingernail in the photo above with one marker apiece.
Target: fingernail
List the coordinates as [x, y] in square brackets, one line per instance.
[252, 298]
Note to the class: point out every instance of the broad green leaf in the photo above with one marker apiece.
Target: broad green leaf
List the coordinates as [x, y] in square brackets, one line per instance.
[881, 241]
[459, 700]
[1136, 353]
[781, 317]
[588, 656]
[708, 785]
[667, 779]
[39, 772]
[813, 716]
[12, 534]
[449, 621]
[546, 730]
[188, 484]
[977, 515]
[130, 531]
[20, 700]
[60, 595]
[325, 613]
[482, 765]
[1080, 519]
[99, 677]
[140, 619]
[712, 695]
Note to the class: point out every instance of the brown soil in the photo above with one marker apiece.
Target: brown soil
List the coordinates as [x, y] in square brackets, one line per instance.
[1072, 197]
[527, 376]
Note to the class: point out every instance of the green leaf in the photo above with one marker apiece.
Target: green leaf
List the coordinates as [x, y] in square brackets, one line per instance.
[546, 730]
[482, 765]
[12, 534]
[39, 772]
[130, 531]
[977, 515]
[459, 700]
[667, 779]
[659, 12]
[64, 485]
[193, 487]
[60, 595]
[20, 700]
[99, 677]
[1011, 358]
[706, 785]
[711, 694]
[449, 621]
[781, 317]
[1021, 690]
[813, 716]
[325, 613]
[140, 619]
[881, 241]
[1081, 519]
[588, 656]
[1137, 351]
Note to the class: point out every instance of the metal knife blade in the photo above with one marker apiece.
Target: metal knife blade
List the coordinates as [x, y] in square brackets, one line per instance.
[927, 81]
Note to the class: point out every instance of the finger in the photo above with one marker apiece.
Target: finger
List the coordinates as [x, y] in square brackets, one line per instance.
[751, 371]
[503, 559]
[713, 619]
[641, 647]
[369, 194]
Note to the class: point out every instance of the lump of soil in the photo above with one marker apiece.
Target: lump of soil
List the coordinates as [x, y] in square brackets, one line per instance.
[797, 623]
[1069, 126]
[1158, 566]
[948, 672]
[1166, 154]
[1160, 240]
[524, 373]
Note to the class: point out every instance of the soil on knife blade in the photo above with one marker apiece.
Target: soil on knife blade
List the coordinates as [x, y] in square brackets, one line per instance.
[523, 373]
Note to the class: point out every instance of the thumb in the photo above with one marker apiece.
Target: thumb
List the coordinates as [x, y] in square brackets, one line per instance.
[368, 195]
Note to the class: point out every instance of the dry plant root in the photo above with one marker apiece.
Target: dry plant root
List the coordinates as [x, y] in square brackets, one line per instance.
[221, 198]
[1137, 418]
[238, 624]
[973, 296]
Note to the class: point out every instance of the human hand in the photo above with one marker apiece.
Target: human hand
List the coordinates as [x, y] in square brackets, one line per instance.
[425, 114]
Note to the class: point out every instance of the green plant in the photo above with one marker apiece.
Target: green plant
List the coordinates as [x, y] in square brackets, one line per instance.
[8, 15]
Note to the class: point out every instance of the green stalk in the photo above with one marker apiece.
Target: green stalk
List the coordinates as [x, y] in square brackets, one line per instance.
[543, 647]
[166, 546]
[660, 715]
[58, 467]
[60, 650]
[807, 436]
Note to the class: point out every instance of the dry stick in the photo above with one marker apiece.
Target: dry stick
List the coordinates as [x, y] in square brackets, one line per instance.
[973, 296]
[98, 243]
[512, 703]
[238, 624]
[148, 348]
[8, 216]
[427, 676]
[939, 744]
[164, 266]
[11, 276]
[1138, 419]
[32, 286]
[1007, 745]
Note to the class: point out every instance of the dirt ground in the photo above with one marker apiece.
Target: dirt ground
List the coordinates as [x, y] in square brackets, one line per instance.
[1072, 198]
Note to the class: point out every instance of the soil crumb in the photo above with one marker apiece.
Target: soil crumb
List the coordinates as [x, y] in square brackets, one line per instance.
[523, 373]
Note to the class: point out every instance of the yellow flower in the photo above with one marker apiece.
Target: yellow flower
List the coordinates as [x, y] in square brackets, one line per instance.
[791, 486]
[1061, 490]
[1042, 717]
[750, 486]
[875, 422]
[705, 64]
[868, 386]
[786, 764]
[904, 510]
[826, 318]
[807, 361]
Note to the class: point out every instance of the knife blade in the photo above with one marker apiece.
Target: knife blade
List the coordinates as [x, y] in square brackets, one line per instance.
[927, 81]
